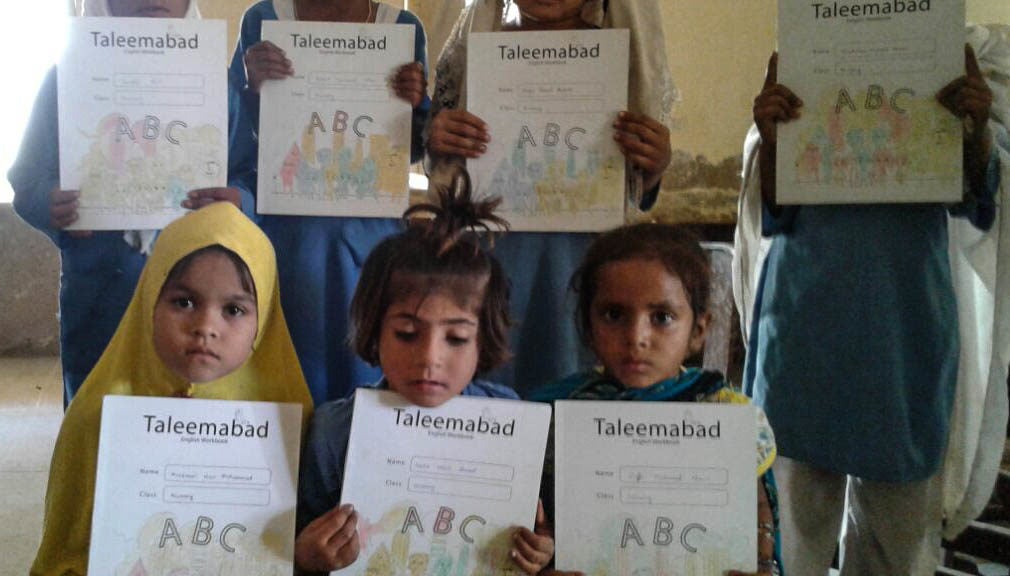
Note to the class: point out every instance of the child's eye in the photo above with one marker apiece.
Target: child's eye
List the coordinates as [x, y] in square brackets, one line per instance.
[611, 314]
[183, 302]
[234, 310]
[405, 335]
[457, 341]
[662, 318]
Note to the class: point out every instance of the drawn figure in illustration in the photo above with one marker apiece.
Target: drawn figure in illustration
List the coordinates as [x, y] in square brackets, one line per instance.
[289, 169]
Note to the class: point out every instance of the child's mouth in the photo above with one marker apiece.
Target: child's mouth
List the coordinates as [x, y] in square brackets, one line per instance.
[201, 353]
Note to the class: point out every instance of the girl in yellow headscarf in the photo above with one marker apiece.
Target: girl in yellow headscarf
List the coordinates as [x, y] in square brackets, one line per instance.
[204, 322]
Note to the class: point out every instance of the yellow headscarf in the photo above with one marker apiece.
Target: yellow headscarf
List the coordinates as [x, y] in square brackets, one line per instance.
[130, 366]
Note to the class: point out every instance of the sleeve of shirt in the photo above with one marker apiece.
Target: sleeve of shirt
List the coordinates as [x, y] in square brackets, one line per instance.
[242, 148]
[979, 206]
[766, 450]
[36, 170]
[420, 114]
[321, 472]
[249, 35]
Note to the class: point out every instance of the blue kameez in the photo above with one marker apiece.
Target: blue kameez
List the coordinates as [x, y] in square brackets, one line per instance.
[319, 259]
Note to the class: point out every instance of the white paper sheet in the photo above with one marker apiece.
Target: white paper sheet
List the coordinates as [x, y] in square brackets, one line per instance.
[870, 129]
[143, 117]
[334, 138]
[550, 100]
[195, 487]
[442, 487]
[655, 488]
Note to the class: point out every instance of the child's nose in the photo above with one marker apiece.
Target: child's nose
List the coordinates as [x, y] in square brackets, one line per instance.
[638, 332]
[205, 325]
[431, 352]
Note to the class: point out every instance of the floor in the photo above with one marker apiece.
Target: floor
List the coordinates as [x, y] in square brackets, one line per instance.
[31, 406]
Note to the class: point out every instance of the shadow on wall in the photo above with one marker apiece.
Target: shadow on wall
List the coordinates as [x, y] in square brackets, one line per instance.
[29, 289]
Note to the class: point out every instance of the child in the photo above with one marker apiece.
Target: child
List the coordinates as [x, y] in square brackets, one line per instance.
[431, 310]
[642, 308]
[539, 264]
[856, 321]
[99, 269]
[205, 322]
[320, 257]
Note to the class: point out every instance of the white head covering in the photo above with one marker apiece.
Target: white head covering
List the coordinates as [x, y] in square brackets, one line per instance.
[101, 8]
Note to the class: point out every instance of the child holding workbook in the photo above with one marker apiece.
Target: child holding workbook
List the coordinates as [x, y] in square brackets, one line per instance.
[642, 307]
[431, 310]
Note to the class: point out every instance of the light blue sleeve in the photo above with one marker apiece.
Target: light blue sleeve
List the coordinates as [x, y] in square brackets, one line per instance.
[36, 171]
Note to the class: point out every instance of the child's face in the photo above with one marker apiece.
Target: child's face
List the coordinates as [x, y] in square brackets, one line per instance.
[548, 11]
[149, 8]
[205, 322]
[428, 348]
[643, 327]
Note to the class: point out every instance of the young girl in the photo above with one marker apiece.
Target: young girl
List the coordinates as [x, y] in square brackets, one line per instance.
[320, 258]
[205, 322]
[431, 310]
[99, 269]
[643, 310]
[540, 264]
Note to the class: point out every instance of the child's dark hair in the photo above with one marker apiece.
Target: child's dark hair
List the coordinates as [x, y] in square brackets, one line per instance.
[438, 253]
[674, 247]
[245, 276]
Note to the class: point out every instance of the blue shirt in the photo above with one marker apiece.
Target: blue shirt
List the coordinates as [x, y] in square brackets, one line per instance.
[322, 465]
[319, 259]
[854, 350]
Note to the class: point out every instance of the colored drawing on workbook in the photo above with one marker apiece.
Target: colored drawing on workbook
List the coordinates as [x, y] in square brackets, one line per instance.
[550, 100]
[187, 486]
[334, 138]
[142, 117]
[440, 491]
[870, 129]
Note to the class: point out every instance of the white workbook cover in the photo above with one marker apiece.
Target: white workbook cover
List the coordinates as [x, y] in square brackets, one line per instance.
[440, 490]
[188, 486]
[334, 138]
[655, 488]
[143, 116]
[871, 129]
[550, 100]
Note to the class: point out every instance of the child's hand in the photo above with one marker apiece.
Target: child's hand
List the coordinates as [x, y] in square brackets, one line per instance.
[774, 104]
[329, 542]
[264, 61]
[458, 133]
[968, 97]
[63, 210]
[409, 83]
[534, 549]
[201, 197]
[645, 143]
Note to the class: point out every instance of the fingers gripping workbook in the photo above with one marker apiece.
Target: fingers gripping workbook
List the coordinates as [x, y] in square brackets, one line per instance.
[440, 490]
[143, 117]
[660, 488]
[187, 486]
[870, 129]
[334, 137]
[550, 100]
